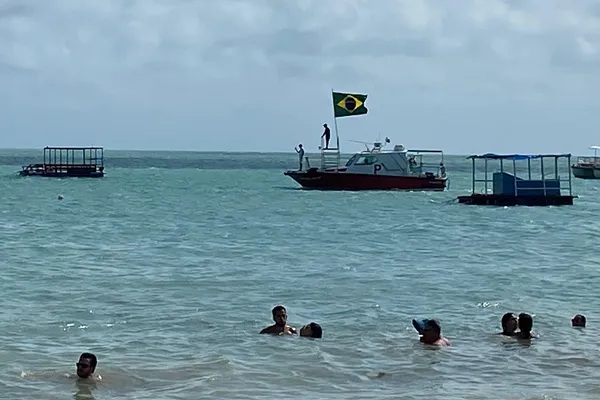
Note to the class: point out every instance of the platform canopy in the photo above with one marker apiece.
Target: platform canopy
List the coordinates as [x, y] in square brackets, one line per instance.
[73, 148]
[492, 156]
[424, 151]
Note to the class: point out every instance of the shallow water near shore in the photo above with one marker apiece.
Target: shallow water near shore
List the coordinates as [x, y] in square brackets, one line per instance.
[168, 268]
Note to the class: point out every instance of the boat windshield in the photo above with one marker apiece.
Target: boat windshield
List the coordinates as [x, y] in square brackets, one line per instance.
[366, 160]
[351, 160]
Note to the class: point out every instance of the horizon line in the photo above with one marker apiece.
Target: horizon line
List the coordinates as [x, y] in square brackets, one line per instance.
[247, 152]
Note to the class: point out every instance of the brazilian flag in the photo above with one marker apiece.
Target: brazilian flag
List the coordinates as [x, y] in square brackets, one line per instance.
[348, 104]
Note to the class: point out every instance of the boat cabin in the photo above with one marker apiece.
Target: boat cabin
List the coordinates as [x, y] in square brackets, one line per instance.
[398, 161]
[504, 188]
[82, 162]
[591, 161]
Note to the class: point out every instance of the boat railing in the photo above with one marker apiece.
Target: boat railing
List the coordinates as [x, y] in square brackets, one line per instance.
[427, 167]
[307, 162]
[588, 160]
[33, 166]
[74, 156]
[418, 165]
[330, 158]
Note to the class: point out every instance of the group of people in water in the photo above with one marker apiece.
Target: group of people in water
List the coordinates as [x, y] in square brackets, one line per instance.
[430, 330]
[521, 326]
[280, 327]
[430, 333]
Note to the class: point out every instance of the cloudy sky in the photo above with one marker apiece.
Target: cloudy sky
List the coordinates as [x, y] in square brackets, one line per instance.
[256, 75]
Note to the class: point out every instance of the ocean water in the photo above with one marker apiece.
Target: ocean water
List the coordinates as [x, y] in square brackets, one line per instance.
[168, 268]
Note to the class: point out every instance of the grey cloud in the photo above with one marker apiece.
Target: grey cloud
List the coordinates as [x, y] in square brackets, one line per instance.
[295, 42]
[15, 9]
[384, 47]
[168, 54]
[6, 67]
[594, 10]
[289, 69]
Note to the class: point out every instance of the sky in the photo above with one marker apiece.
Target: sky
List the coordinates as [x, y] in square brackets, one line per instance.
[464, 76]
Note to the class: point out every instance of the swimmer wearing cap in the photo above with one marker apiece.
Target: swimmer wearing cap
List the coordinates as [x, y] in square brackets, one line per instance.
[430, 332]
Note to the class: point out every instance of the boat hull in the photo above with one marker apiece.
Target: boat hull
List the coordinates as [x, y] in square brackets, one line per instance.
[585, 172]
[62, 171]
[63, 174]
[333, 180]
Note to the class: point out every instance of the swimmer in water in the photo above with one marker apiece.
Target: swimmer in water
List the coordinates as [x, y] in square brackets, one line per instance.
[280, 327]
[578, 321]
[430, 332]
[509, 324]
[312, 330]
[525, 326]
[86, 366]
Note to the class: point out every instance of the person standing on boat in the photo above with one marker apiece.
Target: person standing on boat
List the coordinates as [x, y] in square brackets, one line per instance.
[327, 135]
[300, 152]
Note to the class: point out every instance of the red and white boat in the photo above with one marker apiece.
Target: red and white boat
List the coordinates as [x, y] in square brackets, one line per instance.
[375, 169]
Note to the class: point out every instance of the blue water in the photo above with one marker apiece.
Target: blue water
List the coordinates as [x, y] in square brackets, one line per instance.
[168, 268]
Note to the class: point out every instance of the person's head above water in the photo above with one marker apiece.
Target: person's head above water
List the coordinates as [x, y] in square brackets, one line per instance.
[578, 321]
[312, 330]
[509, 324]
[279, 315]
[525, 324]
[430, 330]
[280, 326]
[86, 365]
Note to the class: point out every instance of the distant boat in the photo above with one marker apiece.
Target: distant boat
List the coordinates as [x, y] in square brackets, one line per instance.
[588, 167]
[375, 168]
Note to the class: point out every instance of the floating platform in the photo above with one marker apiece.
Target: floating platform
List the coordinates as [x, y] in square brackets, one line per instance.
[508, 189]
[64, 162]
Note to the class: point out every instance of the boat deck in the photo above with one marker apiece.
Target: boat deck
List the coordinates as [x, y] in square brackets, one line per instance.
[509, 200]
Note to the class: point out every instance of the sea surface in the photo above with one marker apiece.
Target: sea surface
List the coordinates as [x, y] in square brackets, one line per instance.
[168, 268]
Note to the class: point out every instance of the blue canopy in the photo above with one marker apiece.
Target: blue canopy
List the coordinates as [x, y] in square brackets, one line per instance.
[493, 156]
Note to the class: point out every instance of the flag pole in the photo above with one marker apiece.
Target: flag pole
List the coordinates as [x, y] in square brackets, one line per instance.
[337, 138]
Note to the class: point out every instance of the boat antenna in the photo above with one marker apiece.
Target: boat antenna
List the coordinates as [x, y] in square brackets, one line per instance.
[361, 142]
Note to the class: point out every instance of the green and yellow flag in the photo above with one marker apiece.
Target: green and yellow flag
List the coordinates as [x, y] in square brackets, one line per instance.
[348, 104]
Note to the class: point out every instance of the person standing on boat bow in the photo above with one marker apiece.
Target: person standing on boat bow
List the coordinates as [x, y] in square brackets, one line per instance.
[327, 135]
[300, 152]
